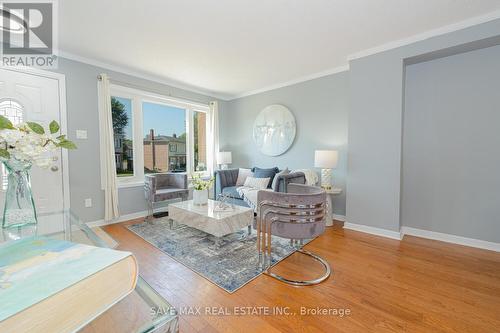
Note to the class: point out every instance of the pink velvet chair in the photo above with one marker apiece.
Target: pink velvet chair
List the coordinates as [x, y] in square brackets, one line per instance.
[296, 215]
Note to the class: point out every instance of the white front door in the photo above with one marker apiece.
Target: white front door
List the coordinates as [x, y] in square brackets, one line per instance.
[32, 97]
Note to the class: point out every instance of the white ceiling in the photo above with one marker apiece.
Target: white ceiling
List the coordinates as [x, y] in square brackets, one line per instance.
[233, 47]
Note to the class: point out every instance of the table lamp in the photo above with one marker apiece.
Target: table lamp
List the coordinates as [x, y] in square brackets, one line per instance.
[326, 160]
[224, 158]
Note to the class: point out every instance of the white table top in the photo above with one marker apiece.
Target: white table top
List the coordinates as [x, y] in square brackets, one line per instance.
[208, 209]
[204, 218]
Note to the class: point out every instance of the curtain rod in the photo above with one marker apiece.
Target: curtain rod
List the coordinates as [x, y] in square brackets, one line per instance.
[131, 85]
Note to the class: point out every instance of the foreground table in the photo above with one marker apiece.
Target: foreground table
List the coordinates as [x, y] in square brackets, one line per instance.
[143, 310]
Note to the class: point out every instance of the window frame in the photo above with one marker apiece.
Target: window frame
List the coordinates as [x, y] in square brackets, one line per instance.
[138, 97]
[20, 108]
[205, 173]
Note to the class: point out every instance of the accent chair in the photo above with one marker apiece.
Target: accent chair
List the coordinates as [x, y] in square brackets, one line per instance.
[296, 215]
[160, 187]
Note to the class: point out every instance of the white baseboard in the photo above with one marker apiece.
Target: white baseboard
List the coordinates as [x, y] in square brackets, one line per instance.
[477, 243]
[122, 218]
[373, 230]
[339, 217]
[451, 238]
[459, 240]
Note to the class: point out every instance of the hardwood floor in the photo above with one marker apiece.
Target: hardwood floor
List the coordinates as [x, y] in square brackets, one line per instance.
[415, 285]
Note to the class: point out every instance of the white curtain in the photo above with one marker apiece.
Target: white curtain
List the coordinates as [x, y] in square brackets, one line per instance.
[108, 165]
[213, 135]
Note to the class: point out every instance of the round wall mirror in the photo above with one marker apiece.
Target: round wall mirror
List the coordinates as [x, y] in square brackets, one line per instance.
[274, 130]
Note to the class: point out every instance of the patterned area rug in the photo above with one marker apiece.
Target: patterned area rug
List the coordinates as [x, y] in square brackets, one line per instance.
[230, 265]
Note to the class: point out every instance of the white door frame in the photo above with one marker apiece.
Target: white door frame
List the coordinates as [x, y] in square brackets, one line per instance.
[61, 79]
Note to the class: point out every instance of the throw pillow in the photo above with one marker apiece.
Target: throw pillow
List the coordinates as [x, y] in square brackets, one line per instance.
[275, 184]
[265, 173]
[242, 176]
[258, 183]
[311, 176]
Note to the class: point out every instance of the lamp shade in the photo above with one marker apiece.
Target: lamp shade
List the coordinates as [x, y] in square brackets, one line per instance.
[326, 159]
[224, 157]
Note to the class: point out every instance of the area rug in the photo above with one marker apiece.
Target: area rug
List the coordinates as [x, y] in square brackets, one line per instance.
[230, 265]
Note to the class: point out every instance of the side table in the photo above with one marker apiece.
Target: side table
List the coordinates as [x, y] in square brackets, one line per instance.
[329, 204]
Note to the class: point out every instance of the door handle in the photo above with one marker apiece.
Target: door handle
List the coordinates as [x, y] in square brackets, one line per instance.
[54, 168]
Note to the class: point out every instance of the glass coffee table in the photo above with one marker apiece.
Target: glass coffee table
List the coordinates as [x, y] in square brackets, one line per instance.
[143, 310]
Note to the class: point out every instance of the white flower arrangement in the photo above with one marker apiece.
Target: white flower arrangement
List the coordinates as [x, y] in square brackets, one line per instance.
[199, 184]
[28, 142]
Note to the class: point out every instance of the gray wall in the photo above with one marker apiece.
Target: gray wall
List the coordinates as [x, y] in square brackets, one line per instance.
[320, 107]
[375, 125]
[374, 141]
[372, 91]
[84, 164]
[451, 145]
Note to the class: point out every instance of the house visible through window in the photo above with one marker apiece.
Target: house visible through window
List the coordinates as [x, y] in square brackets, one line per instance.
[155, 133]
[164, 138]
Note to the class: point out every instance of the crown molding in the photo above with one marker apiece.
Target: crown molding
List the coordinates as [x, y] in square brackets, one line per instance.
[426, 35]
[228, 97]
[301, 79]
[142, 75]
[224, 97]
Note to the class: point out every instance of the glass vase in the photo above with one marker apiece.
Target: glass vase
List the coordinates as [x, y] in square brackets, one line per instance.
[19, 209]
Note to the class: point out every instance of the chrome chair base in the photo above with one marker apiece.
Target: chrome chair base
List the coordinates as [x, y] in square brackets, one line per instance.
[305, 282]
[299, 209]
[150, 217]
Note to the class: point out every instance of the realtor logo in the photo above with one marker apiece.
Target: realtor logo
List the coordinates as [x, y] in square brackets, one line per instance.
[28, 33]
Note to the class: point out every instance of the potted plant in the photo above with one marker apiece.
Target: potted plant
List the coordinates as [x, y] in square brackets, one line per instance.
[200, 189]
[22, 146]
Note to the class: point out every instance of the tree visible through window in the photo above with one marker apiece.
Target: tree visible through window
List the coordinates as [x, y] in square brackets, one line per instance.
[121, 111]
[155, 133]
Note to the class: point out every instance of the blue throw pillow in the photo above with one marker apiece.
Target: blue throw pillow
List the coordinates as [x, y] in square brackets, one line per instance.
[265, 173]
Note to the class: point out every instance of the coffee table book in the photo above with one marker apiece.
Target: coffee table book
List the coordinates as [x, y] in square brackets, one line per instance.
[51, 285]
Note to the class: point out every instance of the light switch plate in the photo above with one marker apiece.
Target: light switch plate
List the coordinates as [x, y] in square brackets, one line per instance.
[88, 203]
[81, 134]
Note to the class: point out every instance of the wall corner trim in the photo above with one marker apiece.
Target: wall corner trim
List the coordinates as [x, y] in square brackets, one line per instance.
[448, 238]
[373, 230]
[338, 217]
